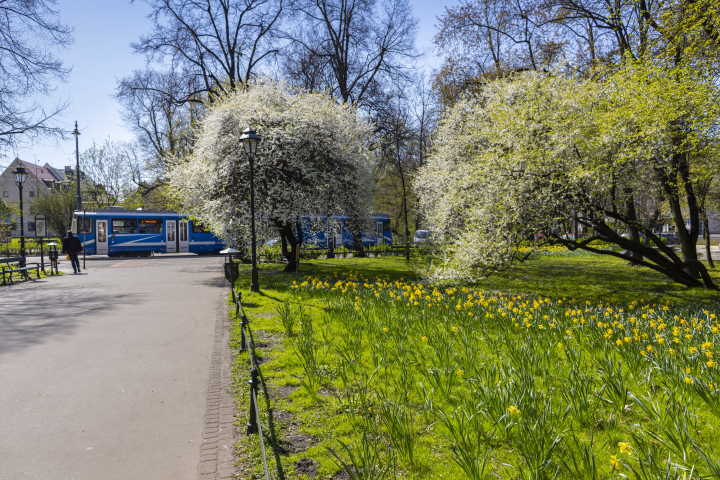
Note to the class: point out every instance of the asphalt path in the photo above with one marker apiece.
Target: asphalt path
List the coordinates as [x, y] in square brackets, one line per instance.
[104, 375]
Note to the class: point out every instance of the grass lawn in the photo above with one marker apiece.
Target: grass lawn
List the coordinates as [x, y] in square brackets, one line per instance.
[32, 273]
[569, 366]
[31, 246]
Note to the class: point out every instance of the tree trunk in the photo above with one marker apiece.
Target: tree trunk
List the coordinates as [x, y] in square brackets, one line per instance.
[706, 229]
[407, 231]
[632, 226]
[289, 238]
[687, 239]
[356, 230]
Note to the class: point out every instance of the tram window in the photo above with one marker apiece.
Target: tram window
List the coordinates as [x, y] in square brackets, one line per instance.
[151, 225]
[124, 225]
[198, 228]
[78, 222]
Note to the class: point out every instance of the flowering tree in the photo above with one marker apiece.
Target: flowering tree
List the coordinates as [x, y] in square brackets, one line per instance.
[312, 161]
[538, 152]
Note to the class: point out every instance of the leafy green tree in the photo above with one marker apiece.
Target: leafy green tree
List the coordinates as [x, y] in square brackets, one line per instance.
[538, 152]
[6, 222]
[58, 207]
[107, 174]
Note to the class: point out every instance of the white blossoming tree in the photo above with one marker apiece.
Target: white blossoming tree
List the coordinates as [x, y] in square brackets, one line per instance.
[312, 161]
[537, 152]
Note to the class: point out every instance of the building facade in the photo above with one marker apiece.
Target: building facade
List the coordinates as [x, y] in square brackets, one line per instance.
[41, 180]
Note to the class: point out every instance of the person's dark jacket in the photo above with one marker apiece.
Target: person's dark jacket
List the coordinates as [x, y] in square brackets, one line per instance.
[71, 244]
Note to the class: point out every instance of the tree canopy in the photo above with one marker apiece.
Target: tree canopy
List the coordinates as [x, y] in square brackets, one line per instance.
[30, 35]
[312, 161]
[535, 152]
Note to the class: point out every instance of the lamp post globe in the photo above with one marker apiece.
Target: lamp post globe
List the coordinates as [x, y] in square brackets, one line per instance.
[20, 177]
[250, 140]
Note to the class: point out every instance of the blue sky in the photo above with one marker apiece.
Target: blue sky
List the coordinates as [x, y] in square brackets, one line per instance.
[101, 54]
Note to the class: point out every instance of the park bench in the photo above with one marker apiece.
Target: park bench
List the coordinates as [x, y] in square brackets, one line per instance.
[9, 271]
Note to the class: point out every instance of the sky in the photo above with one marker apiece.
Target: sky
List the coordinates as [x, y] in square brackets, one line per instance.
[101, 54]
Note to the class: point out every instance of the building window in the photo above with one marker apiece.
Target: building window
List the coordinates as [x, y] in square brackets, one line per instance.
[31, 226]
[32, 193]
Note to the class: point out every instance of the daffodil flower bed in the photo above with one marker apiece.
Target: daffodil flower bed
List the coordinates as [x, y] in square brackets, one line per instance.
[419, 381]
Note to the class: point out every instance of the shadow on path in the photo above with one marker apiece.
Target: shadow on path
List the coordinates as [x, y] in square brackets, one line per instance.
[26, 320]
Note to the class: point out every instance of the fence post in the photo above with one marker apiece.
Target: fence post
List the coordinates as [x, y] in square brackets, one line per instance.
[252, 426]
[243, 339]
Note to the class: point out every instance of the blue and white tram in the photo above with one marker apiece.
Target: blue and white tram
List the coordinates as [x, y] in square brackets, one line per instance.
[141, 232]
[378, 233]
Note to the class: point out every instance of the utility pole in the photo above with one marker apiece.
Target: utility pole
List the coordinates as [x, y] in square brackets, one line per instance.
[77, 167]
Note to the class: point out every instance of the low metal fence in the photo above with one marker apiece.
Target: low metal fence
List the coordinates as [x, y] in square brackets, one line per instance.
[254, 425]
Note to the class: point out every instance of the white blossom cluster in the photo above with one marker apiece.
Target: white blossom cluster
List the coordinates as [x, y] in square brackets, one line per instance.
[535, 148]
[312, 160]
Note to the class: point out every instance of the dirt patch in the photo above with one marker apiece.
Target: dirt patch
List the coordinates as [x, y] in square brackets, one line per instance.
[306, 466]
[284, 392]
[298, 442]
[283, 417]
[342, 475]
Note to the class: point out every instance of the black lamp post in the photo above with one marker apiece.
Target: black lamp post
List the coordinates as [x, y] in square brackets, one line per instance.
[20, 177]
[77, 167]
[250, 140]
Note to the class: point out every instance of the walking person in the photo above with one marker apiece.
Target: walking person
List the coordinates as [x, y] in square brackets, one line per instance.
[71, 246]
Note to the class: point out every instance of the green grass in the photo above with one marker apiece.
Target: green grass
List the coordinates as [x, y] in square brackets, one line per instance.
[31, 246]
[335, 396]
[594, 278]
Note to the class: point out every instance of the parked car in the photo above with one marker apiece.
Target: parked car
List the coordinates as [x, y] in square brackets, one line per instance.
[670, 238]
[421, 236]
[272, 242]
[627, 235]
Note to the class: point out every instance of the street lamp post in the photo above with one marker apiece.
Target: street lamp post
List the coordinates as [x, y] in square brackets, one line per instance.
[250, 140]
[76, 132]
[20, 177]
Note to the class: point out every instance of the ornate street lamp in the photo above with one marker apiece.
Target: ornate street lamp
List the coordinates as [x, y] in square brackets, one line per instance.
[20, 177]
[250, 140]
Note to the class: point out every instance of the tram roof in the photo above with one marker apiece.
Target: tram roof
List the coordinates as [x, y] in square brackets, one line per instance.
[127, 213]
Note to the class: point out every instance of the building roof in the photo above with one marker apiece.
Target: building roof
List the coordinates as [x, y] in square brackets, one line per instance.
[59, 177]
[43, 173]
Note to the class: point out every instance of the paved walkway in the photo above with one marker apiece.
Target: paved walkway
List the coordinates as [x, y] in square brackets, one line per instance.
[106, 375]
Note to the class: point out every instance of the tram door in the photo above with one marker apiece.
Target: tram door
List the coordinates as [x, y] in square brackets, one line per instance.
[101, 238]
[337, 231]
[170, 236]
[380, 234]
[184, 244]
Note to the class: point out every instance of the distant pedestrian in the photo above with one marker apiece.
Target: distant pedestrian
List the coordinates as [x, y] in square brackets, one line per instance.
[72, 246]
